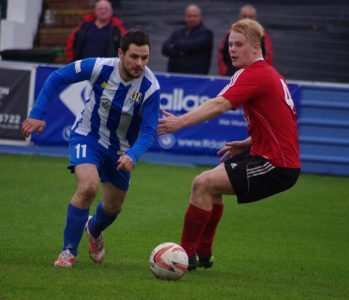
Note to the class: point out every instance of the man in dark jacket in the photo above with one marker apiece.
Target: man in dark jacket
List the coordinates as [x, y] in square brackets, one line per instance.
[97, 36]
[190, 48]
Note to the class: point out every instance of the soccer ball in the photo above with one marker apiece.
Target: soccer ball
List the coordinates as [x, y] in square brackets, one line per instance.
[168, 261]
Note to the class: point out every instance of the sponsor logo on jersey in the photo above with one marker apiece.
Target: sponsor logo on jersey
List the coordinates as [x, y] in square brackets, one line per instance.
[104, 85]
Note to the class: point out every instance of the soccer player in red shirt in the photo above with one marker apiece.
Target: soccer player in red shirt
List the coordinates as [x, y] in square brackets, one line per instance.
[265, 163]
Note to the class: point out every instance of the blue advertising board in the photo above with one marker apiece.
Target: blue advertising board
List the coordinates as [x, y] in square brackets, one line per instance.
[179, 94]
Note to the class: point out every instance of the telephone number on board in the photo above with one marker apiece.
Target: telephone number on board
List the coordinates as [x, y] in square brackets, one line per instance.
[12, 119]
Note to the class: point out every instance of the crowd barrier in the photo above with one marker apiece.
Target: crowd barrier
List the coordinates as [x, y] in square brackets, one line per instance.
[20, 83]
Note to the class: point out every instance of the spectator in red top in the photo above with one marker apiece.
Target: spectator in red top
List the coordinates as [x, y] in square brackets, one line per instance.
[98, 35]
[265, 163]
[225, 67]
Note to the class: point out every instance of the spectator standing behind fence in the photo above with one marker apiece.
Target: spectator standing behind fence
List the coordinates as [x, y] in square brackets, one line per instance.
[190, 48]
[225, 66]
[97, 36]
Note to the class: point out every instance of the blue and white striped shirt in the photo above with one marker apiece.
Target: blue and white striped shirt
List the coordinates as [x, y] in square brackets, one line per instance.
[120, 116]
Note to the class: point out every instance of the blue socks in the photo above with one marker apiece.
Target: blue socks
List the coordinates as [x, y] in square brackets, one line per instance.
[100, 221]
[75, 225]
[74, 229]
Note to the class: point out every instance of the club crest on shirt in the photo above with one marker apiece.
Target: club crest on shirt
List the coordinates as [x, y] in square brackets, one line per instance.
[136, 96]
[105, 104]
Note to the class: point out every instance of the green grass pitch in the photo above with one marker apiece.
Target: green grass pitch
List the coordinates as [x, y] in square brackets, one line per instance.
[294, 245]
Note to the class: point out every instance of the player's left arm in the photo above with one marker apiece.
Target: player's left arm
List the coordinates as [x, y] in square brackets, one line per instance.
[151, 111]
[233, 148]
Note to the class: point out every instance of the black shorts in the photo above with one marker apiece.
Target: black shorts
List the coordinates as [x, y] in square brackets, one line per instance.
[254, 178]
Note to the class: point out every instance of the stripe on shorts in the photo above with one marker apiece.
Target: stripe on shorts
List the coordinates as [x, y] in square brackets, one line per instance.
[260, 170]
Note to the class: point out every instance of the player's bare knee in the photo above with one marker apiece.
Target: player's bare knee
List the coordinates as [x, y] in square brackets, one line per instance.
[88, 190]
[199, 184]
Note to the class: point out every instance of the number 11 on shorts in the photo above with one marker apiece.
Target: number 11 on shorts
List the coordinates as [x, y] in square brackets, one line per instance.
[80, 150]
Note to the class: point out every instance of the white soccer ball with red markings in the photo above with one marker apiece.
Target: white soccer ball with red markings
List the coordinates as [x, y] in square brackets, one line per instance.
[168, 261]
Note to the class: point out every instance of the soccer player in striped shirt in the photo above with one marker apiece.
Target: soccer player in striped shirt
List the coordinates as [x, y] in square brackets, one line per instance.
[117, 125]
[264, 164]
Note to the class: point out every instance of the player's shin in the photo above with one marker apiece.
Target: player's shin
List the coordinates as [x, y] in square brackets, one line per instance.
[194, 224]
[76, 220]
[204, 248]
[100, 221]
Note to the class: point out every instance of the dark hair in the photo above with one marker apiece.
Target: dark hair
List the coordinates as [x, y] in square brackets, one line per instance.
[137, 37]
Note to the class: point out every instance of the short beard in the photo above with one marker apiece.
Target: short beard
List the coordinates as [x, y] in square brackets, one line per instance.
[128, 74]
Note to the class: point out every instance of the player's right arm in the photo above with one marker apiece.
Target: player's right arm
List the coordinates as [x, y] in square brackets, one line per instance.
[206, 111]
[71, 73]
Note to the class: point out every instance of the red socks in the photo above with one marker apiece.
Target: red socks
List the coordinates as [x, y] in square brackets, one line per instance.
[195, 221]
[199, 229]
[206, 240]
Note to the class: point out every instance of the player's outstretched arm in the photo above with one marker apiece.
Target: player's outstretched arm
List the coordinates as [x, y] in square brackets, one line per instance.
[169, 123]
[31, 125]
[206, 111]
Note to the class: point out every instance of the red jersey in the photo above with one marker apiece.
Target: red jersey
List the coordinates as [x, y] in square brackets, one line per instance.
[269, 111]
